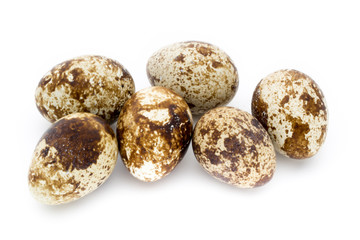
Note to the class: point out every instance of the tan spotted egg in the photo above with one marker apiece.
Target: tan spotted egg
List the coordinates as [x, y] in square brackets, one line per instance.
[73, 158]
[201, 73]
[154, 130]
[232, 146]
[292, 107]
[94, 84]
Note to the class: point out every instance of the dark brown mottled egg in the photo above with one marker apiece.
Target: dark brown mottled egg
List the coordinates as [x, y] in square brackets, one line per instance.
[94, 84]
[201, 73]
[292, 108]
[154, 130]
[73, 157]
[232, 146]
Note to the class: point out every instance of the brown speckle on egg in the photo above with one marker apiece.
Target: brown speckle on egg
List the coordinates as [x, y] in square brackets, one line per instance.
[232, 146]
[73, 157]
[154, 130]
[291, 106]
[92, 84]
[201, 73]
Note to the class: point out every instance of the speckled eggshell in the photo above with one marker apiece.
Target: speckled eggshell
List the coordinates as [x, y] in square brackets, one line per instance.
[291, 106]
[73, 157]
[232, 146]
[201, 73]
[94, 84]
[154, 130]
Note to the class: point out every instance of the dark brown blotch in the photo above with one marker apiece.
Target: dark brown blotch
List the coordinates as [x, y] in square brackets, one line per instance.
[45, 80]
[113, 114]
[296, 75]
[235, 146]
[180, 58]
[167, 168]
[230, 156]
[212, 157]
[76, 141]
[125, 74]
[256, 123]
[215, 136]
[296, 146]
[310, 105]
[257, 137]
[44, 152]
[204, 131]
[76, 73]
[259, 108]
[183, 89]
[65, 66]
[254, 153]
[205, 51]
[216, 64]
[79, 83]
[285, 100]
[105, 125]
[322, 136]
[50, 162]
[320, 96]
[233, 167]
[189, 71]
[196, 148]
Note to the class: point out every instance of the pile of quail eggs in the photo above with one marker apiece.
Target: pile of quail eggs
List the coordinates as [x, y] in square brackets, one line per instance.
[84, 95]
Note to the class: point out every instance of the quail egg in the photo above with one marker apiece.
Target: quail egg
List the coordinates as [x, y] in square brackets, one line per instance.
[292, 108]
[94, 84]
[73, 158]
[201, 73]
[233, 147]
[154, 130]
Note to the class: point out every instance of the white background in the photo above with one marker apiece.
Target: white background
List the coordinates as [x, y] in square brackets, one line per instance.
[317, 198]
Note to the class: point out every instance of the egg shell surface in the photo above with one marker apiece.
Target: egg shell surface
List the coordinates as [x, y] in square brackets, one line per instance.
[154, 130]
[292, 108]
[94, 84]
[233, 147]
[201, 73]
[73, 158]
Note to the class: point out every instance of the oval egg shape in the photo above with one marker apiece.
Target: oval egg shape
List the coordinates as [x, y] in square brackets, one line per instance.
[201, 73]
[94, 84]
[292, 108]
[233, 147]
[154, 130]
[73, 157]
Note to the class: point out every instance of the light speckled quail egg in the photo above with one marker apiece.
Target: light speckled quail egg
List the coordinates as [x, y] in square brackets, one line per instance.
[201, 73]
[94, 84]
[154, 130]
[73, 157]
[292, 108]
[232, 146]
